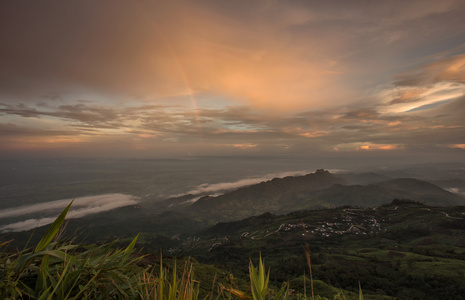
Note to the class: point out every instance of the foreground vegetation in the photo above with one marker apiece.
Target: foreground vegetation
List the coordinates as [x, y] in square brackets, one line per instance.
[404, 249]
[63, 270]
[416, 252]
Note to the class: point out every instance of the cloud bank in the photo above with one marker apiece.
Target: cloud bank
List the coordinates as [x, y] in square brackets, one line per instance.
[223, 186]
[81, 207]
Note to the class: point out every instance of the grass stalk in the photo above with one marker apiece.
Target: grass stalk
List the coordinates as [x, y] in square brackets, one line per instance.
[309, 262]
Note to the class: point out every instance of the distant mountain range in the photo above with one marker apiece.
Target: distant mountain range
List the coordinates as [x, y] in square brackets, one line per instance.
[190, 213]
[276, 195]
[313, 191]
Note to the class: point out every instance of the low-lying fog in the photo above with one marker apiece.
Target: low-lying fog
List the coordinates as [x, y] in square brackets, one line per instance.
[33, 193]
[81, 207]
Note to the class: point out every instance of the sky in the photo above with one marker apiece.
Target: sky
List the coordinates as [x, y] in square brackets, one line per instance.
[152, 79]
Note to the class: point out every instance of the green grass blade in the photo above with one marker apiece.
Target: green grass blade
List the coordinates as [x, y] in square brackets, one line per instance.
[62, 277]
[162, 277]
[360, 294]
[130, 247]
[41, 283]
[283, 293]
[52, 230]
[84, 288]
[45, 294]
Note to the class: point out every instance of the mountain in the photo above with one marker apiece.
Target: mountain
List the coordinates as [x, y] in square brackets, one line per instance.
[177, 201]
[362, 178]
[189, 213]
[316, 190]
[427, 172]
[423, 191]
[353, 195]
[276, 195]
[455, 185]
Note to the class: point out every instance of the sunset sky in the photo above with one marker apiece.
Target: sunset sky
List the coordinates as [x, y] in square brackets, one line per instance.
[153, 79]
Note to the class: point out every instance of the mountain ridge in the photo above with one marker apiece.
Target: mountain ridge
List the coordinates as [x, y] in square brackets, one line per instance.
[271, 195]
[312, 191]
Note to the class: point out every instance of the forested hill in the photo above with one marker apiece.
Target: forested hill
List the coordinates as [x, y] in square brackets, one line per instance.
[316, 190]
[404, 249]
[274, 195]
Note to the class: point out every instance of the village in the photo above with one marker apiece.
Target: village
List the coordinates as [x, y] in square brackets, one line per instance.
[347, 223]
[351, 221]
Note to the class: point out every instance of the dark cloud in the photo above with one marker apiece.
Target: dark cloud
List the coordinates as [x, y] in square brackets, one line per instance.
[364, 114]
[238, 125]
[449, 113]
[79, 112]
[18, 109]
[12, 130]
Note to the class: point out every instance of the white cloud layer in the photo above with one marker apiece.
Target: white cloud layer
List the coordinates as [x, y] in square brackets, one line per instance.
[223, 186]
[81, 207]
[456, 191]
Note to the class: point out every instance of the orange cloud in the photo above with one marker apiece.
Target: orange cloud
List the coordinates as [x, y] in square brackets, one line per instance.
[460, 146]
[450, 69]
[409, 94]
[142, 133]
[226, 130]
[358, 146]
[271, 79]
[61, 140]
[313, 134]
[160, 51]
[31, 143]
[305, 132]
[417, 98]
[244, 146]
[380, 147]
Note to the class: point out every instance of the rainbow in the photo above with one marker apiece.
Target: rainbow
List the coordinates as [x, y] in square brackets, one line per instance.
[179, 66]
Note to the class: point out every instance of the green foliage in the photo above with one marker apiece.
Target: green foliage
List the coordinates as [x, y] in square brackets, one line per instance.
[259, 285]
[65, 271]
[62, 270]
[169, 286]
[413, 254]
[258, 280]
[52, 230]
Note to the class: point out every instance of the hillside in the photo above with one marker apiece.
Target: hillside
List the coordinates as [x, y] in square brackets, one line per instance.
[423, 191]
[182, 215]
[362, 178]
[405, 249]
[271, 196]
[316, 190]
